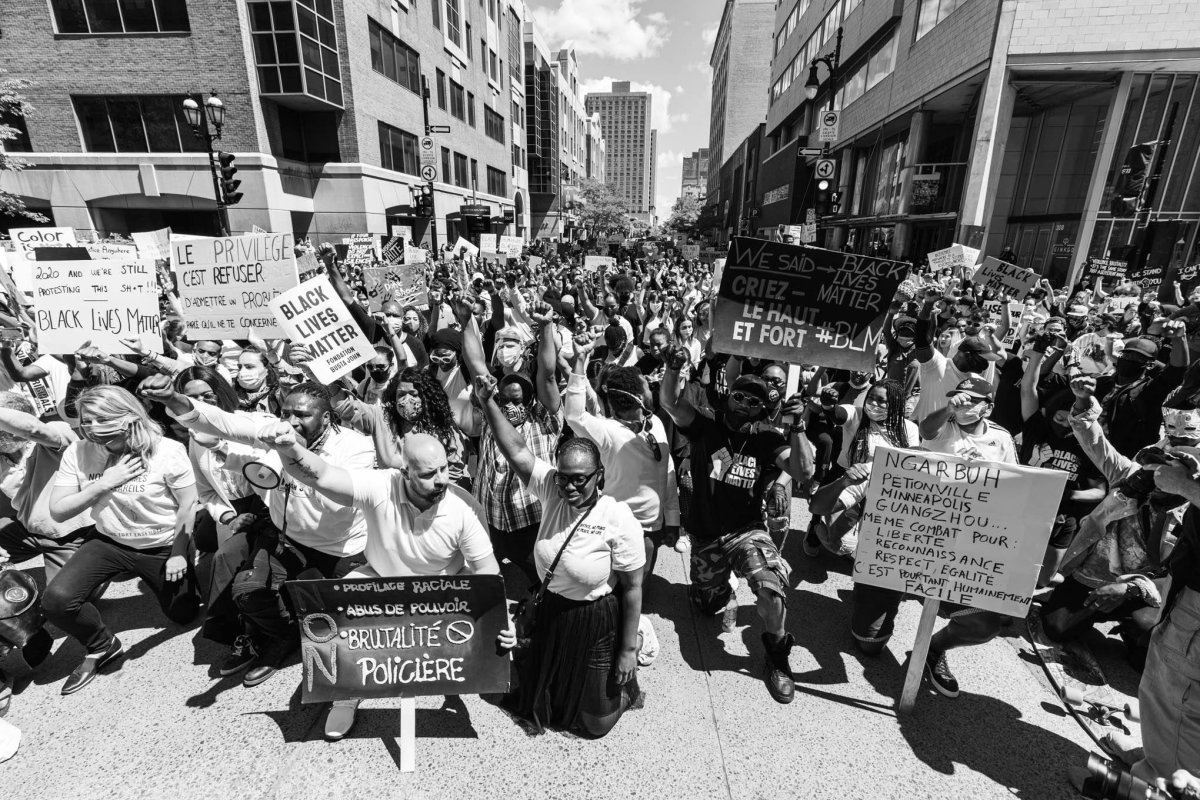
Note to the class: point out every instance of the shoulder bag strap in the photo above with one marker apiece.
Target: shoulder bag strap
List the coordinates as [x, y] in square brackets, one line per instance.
[537, 596]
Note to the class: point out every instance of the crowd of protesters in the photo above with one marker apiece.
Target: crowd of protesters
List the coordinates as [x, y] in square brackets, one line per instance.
[561, 425]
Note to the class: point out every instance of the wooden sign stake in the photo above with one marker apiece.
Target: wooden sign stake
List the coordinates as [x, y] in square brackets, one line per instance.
[920, 651]
[408, 734]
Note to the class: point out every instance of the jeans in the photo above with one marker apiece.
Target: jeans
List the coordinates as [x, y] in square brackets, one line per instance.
[21, 545]
[101, 559]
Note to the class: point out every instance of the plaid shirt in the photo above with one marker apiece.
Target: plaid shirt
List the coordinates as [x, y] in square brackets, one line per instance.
[508, 503]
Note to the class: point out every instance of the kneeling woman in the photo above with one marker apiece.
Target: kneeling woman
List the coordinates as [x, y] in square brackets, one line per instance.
[141, 490]
[579, 671]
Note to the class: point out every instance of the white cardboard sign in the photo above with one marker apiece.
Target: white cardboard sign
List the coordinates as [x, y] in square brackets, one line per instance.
[97, 301]
[26, 240]
[313, 315]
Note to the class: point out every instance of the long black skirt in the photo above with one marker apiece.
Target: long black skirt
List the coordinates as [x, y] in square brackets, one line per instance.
[565, 678]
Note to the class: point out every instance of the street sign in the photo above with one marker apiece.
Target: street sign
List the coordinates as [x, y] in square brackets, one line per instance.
[438, 129]
[827, 131]
[826, 168]
[810, 216]
[428, 152]
[429, 172]
[808, 233]
[812, 152]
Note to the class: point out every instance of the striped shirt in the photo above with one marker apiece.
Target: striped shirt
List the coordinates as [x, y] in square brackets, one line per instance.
[509, 505]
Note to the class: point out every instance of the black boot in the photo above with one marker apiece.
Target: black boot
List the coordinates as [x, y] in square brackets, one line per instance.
[778, 672]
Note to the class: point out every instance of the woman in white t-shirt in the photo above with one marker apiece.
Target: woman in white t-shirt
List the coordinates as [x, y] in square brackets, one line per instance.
[578, 672]
[141, 490]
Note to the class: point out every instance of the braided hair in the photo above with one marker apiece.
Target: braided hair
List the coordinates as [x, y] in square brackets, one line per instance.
[436, 418]
[321, 396]
[892, 428]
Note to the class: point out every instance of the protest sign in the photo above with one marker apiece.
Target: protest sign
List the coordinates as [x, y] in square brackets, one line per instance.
[1105, 268]
[313, 315]
[400, 637]
[307, 265]
[963, 531]
[1005, 278]
[777, 300]
[402, 283]
[226, 283]
[153, 245]
[593, 263]
[1016, 312]
[462, 246]
[360, 251]
[487, 243]
[103, 251]
[26, 240]
[415, 255]
[690, 251]
[510, 246]
[80, 300]
[403, 232]
[534, 262]
[953, 257]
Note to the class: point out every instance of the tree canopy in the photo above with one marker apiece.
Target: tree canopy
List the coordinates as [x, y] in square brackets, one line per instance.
[13, 105]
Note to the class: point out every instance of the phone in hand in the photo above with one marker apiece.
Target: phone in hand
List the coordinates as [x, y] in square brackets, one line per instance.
[14, 335]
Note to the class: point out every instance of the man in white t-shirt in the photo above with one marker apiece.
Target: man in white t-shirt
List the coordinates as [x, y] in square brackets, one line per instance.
[938, 374]
[418, 522]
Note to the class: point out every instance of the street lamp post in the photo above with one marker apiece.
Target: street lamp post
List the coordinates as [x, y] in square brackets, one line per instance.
[813, 85]
[206, 124]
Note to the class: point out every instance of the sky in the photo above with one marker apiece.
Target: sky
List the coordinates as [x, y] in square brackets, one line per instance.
[661, 46]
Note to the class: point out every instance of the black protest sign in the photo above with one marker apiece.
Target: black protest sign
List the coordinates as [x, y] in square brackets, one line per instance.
[400, 637]
[1105, 268]
[800, 304]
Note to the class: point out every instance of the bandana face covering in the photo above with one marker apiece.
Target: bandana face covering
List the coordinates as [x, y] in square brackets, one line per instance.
[1181, 424]
[516, 413]
[409, 407]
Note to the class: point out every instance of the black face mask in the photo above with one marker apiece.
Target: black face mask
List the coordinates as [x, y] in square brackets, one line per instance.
[1129, 370]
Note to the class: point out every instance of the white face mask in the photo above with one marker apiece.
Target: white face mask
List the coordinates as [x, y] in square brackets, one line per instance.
[969, 415]
[507, 355]
[875, 413]
[251, 378]
[1181, 423]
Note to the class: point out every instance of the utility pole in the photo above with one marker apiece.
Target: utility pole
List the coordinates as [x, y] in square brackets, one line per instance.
[429, 132]
[1145, 207]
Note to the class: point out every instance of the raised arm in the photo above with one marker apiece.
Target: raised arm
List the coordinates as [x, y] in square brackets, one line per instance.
[508, 438]
[18, 372]
[309, 468]
[670, 396]
[29, 427]
[1029, 382]
[547, 373]
[473, 357]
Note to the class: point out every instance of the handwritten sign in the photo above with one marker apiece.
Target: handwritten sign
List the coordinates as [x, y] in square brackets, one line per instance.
[1016, 312]
[415, 255]
[403, 232]
[402, 283]
[26, 241]
[593, 263]
[945, 528]
[463, 246]
[153, 245]
[226, 284]
[1105, 268]
[953, 257]
[1005, 278]
[510, 246]
[778, 300]
[400, 637]
[313, 315]
[488, 243]
[99, 301]
[102, 251]
[690, 251]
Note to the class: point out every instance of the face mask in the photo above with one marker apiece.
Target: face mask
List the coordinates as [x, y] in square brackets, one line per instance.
[516, 413]
[1181, 425]
[1128, 369]
[379, 375]
[204, 359]
[972, 362]
[251, 378]
[409, 407]
[508, 355]
[969, 415]
[875, 413]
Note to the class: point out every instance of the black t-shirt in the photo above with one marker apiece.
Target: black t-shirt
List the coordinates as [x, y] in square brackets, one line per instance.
[654, 369]
[1041, 448]
[1007, 411]
[729, 473]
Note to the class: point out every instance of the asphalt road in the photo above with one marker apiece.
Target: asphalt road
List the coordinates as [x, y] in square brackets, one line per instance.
[164, 727]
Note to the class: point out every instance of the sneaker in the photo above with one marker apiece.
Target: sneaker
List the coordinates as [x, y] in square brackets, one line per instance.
[241, 656]
[811, 545]
[648, 649]
[939, 674]
[778, 675]
[92, 663]
[683, 543]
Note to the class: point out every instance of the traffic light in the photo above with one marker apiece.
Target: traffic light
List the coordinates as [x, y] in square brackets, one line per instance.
[229, 184]
[824, 200]
[835, 202]
[424, 202]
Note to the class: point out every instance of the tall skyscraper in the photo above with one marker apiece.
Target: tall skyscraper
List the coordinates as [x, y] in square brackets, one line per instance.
[695, 175]
[630, 141]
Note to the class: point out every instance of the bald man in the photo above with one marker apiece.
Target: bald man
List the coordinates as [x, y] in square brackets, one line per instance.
[418, 522]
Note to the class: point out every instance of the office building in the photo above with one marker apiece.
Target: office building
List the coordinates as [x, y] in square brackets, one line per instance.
[694, 183]
[323, 112]
[1029, 124]
[630, 141]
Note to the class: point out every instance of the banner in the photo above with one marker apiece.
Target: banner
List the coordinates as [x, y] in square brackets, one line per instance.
[226, 284]
[958, 530]
[79, 300]
[1005, 278]
[1105, 268]
[778, 301]
[400, 637]
[953, 257]
[510, 246]
[313, 315]
[26, 240]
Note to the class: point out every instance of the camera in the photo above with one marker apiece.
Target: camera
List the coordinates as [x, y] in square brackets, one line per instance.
[1108, 781]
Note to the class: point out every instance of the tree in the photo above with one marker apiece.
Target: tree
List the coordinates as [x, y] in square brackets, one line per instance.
[13, 105]
[685, 215]
[599, 208]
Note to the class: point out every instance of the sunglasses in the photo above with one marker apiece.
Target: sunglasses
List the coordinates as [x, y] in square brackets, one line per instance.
[578, 481]
[748, 400]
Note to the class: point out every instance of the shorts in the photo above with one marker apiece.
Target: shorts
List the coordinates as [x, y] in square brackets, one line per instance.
[1063, 531]
[751, 554]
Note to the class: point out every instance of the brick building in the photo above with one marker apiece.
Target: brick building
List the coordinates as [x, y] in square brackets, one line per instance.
[323, 111]
[630, 143]
[1006, 123]
[694, 182]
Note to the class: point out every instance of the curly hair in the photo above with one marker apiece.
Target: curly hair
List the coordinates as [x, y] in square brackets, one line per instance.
[892, 428]
[423, 328]
[436, 418]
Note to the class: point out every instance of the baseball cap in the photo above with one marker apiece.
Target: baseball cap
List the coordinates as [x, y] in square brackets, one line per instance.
[1077, 311]
[756, 386]
[1142, 346]
[973, 344]
[974, 387]
[905, 326]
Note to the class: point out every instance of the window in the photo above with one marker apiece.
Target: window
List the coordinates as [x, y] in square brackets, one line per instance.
[453, 22]
[493, 66]
[20, 143]
[441, 90]
[467, 40]
[497, 182]
[135, 124]
[393, 58]
[493, 9]
[882, 62]
[398, 150]
[437, 13]
[474, 173]
[460, 171]
[458, 101]
[120, 16]
[493, 124]
[471, 109]
[295, 48]
[483, 55]
[932, 12]
[516, 113]
[445, 165]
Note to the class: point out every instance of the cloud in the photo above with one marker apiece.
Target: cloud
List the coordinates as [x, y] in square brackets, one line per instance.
[703, 67]
[614, 29]
[708, 35]
[668, 180]
[660, 105]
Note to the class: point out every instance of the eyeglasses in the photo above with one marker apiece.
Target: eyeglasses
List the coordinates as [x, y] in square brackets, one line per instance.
[578, 481]
[748, 400]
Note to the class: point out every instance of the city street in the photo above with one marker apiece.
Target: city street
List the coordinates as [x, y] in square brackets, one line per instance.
[161, 727]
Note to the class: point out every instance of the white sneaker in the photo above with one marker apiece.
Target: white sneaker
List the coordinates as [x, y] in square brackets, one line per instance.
[648, 651]
[683, 543]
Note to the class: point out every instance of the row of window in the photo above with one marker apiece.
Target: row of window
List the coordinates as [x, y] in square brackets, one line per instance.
[120, 16]
[398, 151]
[878, 66]
[458, 31]
[829, 25]
[931, 12]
